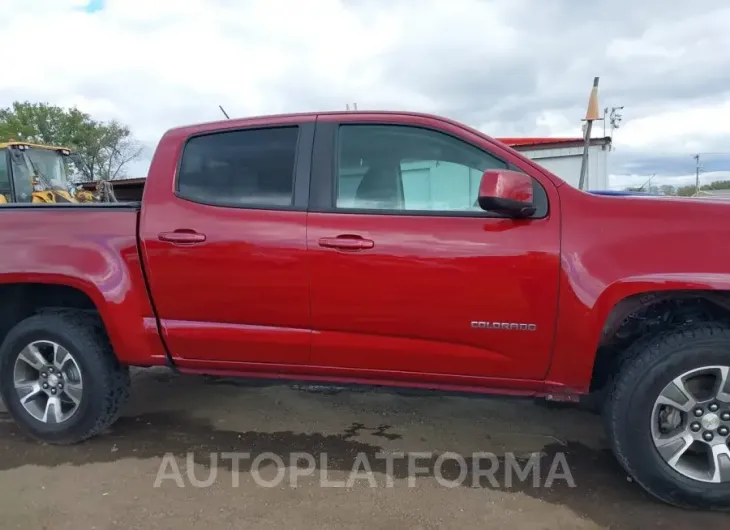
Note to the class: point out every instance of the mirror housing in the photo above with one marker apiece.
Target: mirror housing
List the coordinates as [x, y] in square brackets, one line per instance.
[506, 192]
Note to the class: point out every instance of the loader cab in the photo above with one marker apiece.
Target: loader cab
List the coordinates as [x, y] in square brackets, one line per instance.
[6, 191]
[32, 173]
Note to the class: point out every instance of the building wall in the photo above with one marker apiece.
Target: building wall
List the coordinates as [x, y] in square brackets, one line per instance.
[565, 162]
[427, 185]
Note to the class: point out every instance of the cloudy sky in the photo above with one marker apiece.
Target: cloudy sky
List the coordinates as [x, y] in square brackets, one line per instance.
[509, 68]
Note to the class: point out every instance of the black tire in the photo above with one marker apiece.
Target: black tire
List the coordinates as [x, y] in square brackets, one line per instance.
[649, 366]
[106, 382]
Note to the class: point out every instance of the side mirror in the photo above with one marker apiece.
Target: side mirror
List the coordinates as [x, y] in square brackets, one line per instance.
[506, 192]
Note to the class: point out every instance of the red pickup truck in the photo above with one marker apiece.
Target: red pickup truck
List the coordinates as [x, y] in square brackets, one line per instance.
[379, 248]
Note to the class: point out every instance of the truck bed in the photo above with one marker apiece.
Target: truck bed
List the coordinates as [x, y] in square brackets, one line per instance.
[90, 248]
[127, 205]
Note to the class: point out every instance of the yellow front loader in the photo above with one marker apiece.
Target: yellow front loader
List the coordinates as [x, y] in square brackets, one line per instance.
[32, 173]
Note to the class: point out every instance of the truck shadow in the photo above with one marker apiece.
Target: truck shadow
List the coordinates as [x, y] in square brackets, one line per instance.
[601, 492]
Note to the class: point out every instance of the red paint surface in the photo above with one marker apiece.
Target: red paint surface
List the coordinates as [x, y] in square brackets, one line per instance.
[525, 141]
[94, 251]
[219, 299]
[615, 247]
[408, 303]
[378, 299]
[511, 185]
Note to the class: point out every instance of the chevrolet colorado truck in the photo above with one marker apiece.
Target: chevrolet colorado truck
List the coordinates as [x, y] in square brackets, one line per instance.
[379, 248]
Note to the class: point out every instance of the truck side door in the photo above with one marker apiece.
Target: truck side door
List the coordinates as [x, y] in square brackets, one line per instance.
[408, 274]
[225, 251]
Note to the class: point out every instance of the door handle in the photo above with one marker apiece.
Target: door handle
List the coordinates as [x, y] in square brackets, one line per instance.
[185, 237]
[347, 243]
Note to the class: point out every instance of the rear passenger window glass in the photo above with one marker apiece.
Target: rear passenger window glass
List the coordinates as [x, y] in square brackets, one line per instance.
[240, 168]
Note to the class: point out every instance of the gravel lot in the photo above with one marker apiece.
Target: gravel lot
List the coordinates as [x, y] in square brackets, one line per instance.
[109, 482]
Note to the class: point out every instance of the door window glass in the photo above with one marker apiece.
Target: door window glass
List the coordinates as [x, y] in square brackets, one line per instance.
[393, 167]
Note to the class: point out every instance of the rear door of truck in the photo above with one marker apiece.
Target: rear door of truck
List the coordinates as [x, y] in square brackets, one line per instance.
[225, 244]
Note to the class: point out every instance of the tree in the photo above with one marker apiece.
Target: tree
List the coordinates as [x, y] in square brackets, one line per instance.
[691, 189]
[106, 148]
[717, 185]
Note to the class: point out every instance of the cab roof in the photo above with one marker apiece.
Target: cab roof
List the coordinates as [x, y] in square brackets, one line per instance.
[13, 143]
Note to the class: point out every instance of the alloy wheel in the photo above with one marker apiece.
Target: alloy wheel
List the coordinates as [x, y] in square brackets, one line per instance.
[48, 382]
[691, 424]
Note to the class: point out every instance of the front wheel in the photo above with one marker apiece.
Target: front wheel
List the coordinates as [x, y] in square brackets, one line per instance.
[59, 378]
[668, 417]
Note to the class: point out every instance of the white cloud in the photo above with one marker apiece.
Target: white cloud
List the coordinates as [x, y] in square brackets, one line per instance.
[510, 67]
[704, 127]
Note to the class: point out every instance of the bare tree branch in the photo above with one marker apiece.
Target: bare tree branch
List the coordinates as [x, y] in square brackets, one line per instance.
[133, 155]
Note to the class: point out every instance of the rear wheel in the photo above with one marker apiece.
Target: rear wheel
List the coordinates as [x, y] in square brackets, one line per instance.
[59, 378]
[668, 416]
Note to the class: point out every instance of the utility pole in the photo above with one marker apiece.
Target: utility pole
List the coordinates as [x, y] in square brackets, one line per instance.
[697, 174]
[698, 166]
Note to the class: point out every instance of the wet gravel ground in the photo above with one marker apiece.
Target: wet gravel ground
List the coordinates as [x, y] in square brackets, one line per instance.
[148, 471]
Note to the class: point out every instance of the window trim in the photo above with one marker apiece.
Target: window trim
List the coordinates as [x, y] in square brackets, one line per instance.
[301, 175]
[325, 165]
[5, 160]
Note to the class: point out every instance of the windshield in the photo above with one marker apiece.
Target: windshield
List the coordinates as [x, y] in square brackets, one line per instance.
[38, 169]
[49, 166]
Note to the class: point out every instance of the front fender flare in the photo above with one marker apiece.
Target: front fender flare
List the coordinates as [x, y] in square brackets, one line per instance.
[583, 322]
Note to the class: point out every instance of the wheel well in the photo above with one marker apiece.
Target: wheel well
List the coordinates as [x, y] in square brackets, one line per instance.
[645, 315]
[21, 300]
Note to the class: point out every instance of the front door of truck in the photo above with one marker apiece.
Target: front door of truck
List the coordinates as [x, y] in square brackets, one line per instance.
[408, 274]
[226, 254]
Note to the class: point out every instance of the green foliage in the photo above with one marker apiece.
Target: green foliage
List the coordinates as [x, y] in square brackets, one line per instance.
[105, 147]
[718, 185]
[685, 191]
[689, 190]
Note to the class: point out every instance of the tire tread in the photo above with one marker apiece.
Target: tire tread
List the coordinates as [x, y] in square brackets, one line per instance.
[111, 378]
[638, 360]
